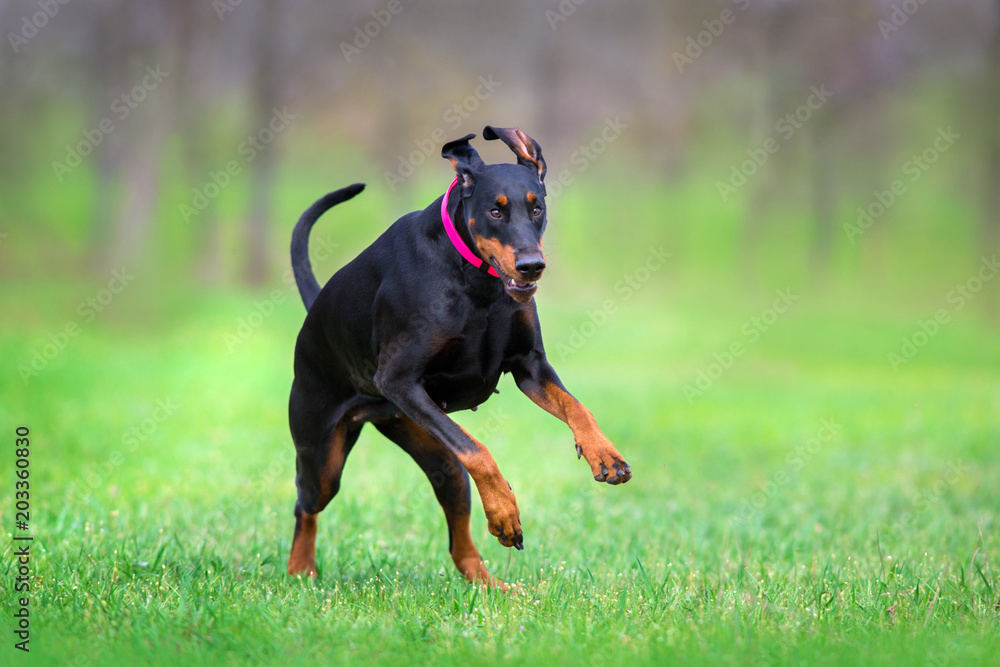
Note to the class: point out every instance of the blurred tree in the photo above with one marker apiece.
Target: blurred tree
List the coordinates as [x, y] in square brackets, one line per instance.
[197, 29]
[268, 68]
[106, 63]
[139, 154]
[990, 130]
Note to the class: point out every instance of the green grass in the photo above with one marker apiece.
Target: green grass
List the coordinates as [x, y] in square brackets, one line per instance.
[858, 549]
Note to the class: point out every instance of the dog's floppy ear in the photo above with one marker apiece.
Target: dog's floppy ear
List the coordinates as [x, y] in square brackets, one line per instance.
[465, 160]
[528, 152]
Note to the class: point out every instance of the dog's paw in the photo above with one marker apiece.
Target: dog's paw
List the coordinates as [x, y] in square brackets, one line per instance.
[504, 519]
[507, 529]
[606, 464]
[303, 569]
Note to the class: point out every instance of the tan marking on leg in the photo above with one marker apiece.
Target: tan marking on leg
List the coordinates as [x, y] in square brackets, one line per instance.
[466, 555]
[593, 445]
[334, 465]
[503, 517]
[303, 557]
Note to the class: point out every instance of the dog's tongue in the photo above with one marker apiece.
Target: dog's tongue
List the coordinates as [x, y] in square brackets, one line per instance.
[518, 284]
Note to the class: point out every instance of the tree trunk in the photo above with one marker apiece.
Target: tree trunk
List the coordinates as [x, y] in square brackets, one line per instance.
[823, 190]
[990, 132]
[195, 130]
[264, 165]
[140, 193]
[108, 56]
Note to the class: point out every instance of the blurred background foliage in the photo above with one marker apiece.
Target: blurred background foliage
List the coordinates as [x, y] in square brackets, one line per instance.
[692, 90]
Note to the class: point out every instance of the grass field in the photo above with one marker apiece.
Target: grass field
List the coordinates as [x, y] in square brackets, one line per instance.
[811, 506]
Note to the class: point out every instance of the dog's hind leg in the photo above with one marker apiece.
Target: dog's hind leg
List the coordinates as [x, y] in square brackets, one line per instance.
[321, 454]
[452, 488]
[318, 480]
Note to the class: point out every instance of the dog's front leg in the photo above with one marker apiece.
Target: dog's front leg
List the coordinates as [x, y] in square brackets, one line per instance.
[406, 391]
[539, 382]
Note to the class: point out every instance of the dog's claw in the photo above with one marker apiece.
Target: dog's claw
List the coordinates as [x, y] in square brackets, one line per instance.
[624, 473]
[579, 452]
[517, 541]
[620, 474]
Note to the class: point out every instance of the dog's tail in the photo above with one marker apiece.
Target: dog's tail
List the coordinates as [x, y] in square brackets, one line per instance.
[301, 266]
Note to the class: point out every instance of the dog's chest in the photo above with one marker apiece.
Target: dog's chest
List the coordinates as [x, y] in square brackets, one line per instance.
[467, 368]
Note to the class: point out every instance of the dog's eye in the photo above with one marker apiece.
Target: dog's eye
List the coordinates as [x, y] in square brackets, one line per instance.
[537, 211]
[495, 212]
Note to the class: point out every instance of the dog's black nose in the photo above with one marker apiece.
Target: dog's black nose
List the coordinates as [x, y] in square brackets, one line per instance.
[530, 267]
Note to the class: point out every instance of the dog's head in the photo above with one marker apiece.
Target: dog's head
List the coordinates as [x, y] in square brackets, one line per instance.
[505, 207]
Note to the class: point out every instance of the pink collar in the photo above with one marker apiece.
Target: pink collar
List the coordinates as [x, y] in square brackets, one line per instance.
[457, 241]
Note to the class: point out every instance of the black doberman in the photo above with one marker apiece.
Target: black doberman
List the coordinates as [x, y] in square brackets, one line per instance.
[422, 323]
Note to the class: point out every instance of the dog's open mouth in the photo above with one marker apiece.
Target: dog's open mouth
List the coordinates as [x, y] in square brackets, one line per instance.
[518, 290]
